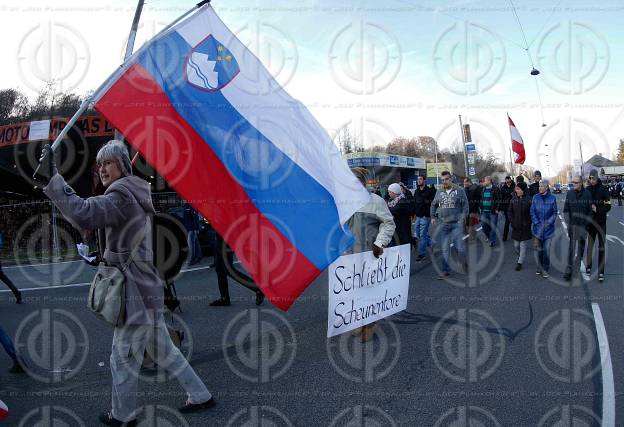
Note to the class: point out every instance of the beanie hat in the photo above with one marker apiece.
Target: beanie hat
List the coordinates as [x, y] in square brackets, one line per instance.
[395, 188]
[522, 186]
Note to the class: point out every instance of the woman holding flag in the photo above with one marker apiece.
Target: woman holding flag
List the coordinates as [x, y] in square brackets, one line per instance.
[125, 211]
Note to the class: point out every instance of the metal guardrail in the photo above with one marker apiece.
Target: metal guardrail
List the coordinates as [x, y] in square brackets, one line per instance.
[27, 233]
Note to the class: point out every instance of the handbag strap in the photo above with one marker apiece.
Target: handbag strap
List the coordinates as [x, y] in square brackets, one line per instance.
[136, 247]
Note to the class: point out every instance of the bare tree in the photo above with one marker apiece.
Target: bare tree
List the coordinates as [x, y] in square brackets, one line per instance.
[345, 140]
[14, 106]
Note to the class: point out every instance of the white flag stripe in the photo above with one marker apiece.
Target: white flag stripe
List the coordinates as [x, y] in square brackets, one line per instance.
[280, 118]
[515, 135]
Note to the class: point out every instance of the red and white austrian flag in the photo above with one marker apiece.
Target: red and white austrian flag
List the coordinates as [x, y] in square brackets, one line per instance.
[517, 145]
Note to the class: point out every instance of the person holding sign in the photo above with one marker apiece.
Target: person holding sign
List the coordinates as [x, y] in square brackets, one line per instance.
[450, 208]
[372, 227]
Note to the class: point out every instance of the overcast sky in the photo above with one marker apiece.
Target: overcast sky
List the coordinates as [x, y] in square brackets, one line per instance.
[384, 68]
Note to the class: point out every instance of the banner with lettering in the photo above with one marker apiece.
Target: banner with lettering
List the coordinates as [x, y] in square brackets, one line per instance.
[364, 289]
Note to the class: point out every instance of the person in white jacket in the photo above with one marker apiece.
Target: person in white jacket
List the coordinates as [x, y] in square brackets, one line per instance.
[372, 227]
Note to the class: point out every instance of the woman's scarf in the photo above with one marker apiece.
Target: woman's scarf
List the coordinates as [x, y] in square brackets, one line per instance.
[393, 202]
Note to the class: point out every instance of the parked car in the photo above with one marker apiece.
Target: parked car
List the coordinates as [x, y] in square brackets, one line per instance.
[557, 188]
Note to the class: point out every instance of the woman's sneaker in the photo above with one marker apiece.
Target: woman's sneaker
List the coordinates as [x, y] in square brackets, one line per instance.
[601, 277]
[190, 408]
[545, 274]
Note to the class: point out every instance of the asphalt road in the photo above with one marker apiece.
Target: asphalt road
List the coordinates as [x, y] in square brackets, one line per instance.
[495, 347]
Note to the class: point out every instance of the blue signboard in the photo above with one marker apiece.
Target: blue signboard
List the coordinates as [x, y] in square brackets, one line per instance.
[471, 148]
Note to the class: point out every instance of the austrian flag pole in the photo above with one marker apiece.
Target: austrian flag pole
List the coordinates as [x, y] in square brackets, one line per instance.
[517, 145]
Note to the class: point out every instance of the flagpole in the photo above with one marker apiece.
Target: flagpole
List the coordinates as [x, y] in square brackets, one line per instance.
[86, 102]
[511, 149]
[133, 30]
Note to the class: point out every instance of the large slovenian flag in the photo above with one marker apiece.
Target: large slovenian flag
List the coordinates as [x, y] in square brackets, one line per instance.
[209, 117]
[517, 145]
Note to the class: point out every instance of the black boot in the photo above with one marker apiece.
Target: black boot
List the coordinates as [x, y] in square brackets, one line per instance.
[108, 420]
[220, 302]
[259, 298]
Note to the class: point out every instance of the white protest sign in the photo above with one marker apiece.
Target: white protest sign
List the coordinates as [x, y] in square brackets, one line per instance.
[39, 129]
[364, 289]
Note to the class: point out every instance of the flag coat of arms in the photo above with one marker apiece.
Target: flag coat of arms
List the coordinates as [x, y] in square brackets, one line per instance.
[209, 117]
[517, 145]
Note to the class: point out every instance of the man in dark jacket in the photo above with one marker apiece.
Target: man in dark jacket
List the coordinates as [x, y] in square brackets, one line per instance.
[507, 192]
[577, 210]
[409, 196]
[600, 205]
[423, 196]
[534, 187]
[401, 210]
[490, 205]
[519, 213]
[473, 194]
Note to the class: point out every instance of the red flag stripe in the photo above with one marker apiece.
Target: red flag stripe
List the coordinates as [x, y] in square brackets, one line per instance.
[197, 174]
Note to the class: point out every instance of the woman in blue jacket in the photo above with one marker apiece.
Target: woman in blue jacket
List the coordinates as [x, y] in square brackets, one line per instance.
[543, 216]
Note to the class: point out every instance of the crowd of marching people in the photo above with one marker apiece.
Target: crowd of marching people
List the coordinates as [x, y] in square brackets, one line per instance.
[457, 212]
[529, 212]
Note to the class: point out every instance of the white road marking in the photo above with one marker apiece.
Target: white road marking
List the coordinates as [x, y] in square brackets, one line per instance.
[41, 288]
[621, 223]
[612, 238]
[608, 387]
[39, 265]
[76, 285]
[583, 273]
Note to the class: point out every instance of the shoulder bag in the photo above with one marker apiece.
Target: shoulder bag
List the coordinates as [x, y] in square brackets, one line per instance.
[107, 294]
